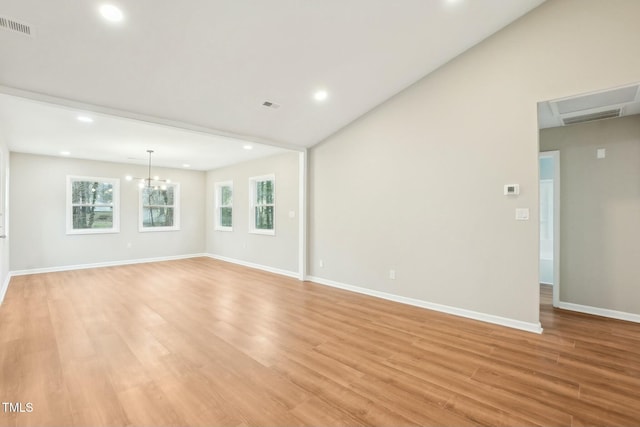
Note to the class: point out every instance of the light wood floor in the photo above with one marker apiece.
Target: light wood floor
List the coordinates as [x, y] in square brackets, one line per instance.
[202, 342]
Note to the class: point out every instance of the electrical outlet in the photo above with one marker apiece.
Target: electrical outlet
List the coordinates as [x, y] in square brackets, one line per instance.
[392, 274]
[321, 263]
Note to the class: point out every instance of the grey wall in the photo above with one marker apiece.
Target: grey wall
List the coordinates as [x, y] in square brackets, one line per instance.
[600, 212]
[38, 233]
[417, 184]
[279, 251]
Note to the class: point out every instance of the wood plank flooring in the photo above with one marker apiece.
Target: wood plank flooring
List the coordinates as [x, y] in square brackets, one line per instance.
[202, 342]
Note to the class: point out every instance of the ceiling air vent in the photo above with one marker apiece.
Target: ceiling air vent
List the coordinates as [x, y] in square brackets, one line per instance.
[608, 114]
[270, 104]
[15, 26]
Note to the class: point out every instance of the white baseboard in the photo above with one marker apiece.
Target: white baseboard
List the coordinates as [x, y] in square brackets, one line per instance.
[604, 312]
[101, 264]
[489, 318]
[5, 286]
[282, 272]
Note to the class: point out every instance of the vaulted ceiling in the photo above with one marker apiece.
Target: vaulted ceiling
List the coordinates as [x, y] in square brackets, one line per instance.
[212, 64]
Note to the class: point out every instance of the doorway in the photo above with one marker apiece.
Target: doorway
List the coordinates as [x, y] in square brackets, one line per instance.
[549, 164]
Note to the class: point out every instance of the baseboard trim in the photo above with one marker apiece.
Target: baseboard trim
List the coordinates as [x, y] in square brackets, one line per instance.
[604, 312]
[102, 264]
[5, 286]
[475, 315]
[279, 271]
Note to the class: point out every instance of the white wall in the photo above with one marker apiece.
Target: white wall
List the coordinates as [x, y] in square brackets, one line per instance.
[278, 252]
[416, 184]
[38, 233]
[4, 203]
[600, 212]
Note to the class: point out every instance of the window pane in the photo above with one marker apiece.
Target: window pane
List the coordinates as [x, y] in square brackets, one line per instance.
[226, 196]
[264, 217]
[269, 191]
[226, 217]
[260, 193]
[89, 193]
[157, 217]
[92, 217]
[153, 196]
[264, 192]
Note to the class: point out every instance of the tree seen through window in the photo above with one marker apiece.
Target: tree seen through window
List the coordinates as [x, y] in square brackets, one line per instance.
[92, 204]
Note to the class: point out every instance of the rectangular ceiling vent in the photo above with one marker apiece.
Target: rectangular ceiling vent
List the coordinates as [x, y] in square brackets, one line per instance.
[608, 114]
[600, 100]
[15, 26]
[270, 104]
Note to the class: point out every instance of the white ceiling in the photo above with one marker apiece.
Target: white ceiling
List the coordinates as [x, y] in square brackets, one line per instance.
[43, 128]
[212, 63]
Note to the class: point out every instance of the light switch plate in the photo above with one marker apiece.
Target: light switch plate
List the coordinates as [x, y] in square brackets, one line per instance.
[522, 214]
[601, 153]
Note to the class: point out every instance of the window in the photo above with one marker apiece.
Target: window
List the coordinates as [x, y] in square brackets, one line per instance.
[262, 202]
[224, 206]
[92, 205]
[160, 208]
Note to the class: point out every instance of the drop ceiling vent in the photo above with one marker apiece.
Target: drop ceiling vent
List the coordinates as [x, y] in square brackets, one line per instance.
[270, 104]
[608, 114]
[600, 100]
[15, 26]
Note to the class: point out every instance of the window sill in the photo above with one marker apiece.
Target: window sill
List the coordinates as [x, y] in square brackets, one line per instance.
[152, 229]
[92, 231]
[263, 232]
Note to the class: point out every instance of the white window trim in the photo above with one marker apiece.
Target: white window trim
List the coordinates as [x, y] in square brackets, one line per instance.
[176, 211]
[217, 218]
[252, 205]
[115, 182]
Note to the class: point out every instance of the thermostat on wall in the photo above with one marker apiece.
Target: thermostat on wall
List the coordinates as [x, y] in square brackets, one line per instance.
[512, 189]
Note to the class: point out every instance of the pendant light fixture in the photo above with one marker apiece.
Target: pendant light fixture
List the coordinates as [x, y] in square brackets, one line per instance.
[150, 182]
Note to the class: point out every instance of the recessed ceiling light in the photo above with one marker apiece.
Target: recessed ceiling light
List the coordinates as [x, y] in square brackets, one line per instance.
[186, 165]
[85, 119]
[248, 147]
[65, 153]
[320, 95]
[111, 13]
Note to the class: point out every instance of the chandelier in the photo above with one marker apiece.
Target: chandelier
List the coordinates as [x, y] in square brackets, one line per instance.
[150, 182]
